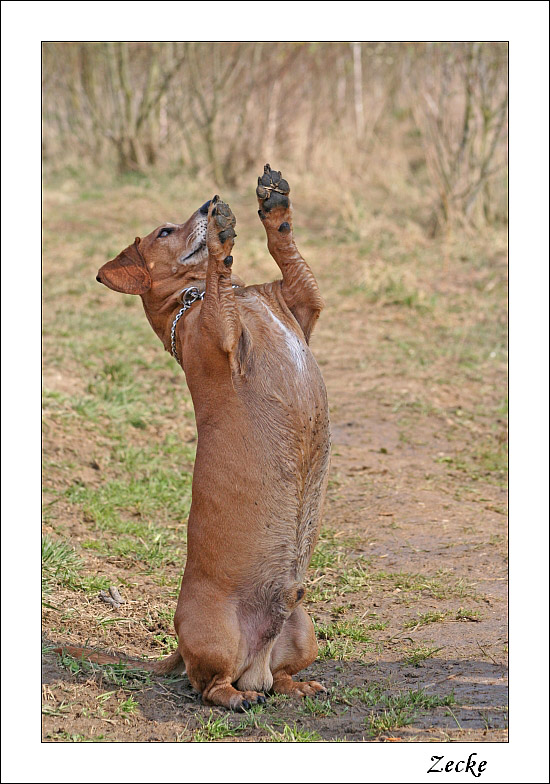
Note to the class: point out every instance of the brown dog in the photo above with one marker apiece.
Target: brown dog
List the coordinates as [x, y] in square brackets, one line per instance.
[263, 445]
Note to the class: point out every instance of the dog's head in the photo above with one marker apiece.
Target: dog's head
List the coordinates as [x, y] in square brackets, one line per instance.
[165, 256]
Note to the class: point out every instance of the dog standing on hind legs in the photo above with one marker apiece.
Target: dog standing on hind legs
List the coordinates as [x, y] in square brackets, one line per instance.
[262, 452]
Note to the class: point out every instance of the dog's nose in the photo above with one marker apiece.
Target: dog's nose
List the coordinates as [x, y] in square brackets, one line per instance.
[204, 209]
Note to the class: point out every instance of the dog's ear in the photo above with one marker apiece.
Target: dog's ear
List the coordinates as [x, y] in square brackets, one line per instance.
[127, 273]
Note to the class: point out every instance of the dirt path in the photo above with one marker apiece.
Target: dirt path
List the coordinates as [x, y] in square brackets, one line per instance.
[403, 504]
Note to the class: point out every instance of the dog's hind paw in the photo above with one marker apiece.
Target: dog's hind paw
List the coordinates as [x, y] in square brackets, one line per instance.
[229, 697]
[283, 684]
[250, 698]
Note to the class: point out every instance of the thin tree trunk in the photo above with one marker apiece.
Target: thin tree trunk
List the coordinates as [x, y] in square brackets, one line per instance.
[358, 90]
[271, 129]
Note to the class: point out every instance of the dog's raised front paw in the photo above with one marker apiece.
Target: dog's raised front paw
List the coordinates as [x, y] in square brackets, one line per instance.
[221, 228]
[272, 192]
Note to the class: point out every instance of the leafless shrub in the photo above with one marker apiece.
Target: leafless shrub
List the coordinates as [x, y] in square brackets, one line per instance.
[424, 120]
[461, 113]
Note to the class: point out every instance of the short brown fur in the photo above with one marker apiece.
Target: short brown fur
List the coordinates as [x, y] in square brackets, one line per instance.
[263, 447]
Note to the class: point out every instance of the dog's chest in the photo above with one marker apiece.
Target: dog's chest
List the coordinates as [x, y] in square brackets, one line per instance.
[285, 339]
[283, 388]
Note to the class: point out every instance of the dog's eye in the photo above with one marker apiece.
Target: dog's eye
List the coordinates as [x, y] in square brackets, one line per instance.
[164, 233]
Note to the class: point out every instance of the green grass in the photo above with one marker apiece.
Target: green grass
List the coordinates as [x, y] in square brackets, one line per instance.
[352, 630]
[388, 720]
[488, 461]
[128, 707]
[92, 583]
[137, 508]
[292, 734]
[167, 642]
[124, 676]
[59, 710]
[356, 578]
[367, 695]
[339, 649]
[403, 709]
[467, 615]
[426, 618]
[73, 737]
[389, 711]
[361, 578]
[434, 616]
[216, 728]
[320, 708]
[439, 586]
[344, 639]
[117, 365]
[419, 654]
[329, 574]
[115, 401]
[144, 491]
[392, 290]
[331, 548]
[62, 566]
[60, 563]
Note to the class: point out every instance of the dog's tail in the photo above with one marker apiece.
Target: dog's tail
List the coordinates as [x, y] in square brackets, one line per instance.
[172, 663]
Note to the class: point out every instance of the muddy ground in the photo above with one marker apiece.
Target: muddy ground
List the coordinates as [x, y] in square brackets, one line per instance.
[408, 585]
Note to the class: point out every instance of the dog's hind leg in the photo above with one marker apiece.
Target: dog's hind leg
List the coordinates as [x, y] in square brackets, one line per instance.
[295, 649]
[299, 287]
[212, 646]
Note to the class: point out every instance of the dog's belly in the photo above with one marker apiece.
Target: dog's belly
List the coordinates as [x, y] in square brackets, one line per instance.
[291, 421]
[258, 488]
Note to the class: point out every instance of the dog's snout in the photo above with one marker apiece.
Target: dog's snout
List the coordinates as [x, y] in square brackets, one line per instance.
[204, 209]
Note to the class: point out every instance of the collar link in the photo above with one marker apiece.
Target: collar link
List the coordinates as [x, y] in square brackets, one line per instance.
[189, 296]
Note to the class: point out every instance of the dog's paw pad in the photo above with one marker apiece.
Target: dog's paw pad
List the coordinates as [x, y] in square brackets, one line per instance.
[223, 218]
[272, 190]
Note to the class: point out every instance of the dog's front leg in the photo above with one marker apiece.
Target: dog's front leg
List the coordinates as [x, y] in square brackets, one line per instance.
[219, 315]
[299, 287]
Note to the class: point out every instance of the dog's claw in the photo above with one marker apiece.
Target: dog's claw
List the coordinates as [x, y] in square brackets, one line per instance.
[245, 705]
[224, 209]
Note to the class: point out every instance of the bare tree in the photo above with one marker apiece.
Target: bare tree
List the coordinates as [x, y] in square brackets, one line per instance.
[461, 114]
[124, 107]
[355, 109]
[358, 89]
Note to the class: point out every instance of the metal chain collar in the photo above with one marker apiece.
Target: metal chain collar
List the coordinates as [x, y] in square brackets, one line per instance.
[190, 296]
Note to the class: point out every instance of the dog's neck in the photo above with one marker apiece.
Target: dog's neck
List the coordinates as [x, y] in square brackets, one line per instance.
[162, 307]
